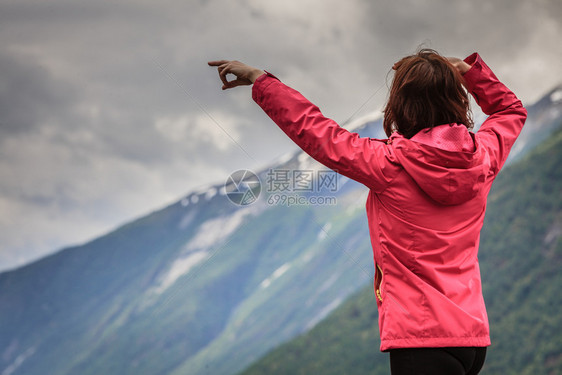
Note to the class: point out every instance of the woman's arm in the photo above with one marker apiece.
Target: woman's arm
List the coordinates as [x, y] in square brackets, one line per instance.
[506, 114]
[362, 159]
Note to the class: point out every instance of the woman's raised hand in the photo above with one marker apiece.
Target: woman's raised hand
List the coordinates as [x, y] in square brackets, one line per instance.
[459, 64]
[245, 74]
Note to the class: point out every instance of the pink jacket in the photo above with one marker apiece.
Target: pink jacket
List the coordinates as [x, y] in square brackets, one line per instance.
[425, 207]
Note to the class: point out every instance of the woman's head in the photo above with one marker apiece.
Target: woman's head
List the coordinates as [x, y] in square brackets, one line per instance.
[426, 91]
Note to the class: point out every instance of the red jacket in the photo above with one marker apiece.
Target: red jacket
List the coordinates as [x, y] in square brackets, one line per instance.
[425, 207]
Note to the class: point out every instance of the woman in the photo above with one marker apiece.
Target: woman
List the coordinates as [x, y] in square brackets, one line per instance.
[428, 186]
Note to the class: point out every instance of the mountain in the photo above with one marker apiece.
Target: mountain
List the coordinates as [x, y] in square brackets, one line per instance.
[521, 258]
[543, 119]
[204, 286]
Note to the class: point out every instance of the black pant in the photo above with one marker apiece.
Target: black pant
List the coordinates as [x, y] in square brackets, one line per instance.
[435, 361]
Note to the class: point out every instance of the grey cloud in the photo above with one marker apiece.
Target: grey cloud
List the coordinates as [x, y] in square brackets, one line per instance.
[28, 94]
[105, 107]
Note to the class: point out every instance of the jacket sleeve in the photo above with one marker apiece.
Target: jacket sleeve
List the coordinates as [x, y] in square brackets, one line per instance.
[506, 115]
[364, 160]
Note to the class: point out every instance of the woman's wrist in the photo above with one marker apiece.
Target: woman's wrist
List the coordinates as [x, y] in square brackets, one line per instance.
[255, 74]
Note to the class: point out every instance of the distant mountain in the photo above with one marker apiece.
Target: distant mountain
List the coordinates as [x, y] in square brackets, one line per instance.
[521, 259]
[205, 285]
[544, 118]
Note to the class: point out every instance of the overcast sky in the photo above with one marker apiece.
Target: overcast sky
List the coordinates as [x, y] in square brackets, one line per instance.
[108, 110]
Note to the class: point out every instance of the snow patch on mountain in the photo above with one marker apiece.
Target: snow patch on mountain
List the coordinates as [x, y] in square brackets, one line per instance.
[324, 313]
[179, 268]
[305, 161]
[203, 192]
[556, 96]
[207, 239]
[213, 231]
[20, 359]
[307, 257]
[361, 121]
[323, 232]
[284, 158]
[553, 233]
[328, 283]
[518, 147]
[210, 193]
[187, 219]
[275, 275]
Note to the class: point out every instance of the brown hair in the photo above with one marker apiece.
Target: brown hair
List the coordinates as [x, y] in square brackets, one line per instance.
[426, 91]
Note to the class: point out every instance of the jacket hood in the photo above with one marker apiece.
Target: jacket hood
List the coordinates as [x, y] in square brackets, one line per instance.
[444, 161]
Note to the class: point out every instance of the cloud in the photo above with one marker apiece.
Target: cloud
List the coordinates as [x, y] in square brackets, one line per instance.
[27, 97]
[202, 131]
[108, 110]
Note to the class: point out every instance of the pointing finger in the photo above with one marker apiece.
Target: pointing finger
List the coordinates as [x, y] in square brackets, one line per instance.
[217, 62]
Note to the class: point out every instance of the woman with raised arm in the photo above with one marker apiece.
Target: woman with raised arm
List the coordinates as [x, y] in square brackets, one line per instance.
[428, 187]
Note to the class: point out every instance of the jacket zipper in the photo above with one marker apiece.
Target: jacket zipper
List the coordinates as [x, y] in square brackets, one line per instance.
[378, 282]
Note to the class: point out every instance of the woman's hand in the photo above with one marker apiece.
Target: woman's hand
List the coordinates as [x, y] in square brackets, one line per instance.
[245, 74]
[459, 64]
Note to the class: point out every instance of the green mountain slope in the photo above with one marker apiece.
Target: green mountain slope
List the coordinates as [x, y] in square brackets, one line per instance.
[521, 260]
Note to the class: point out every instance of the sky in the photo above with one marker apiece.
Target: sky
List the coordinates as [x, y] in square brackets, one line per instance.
[108, 110]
